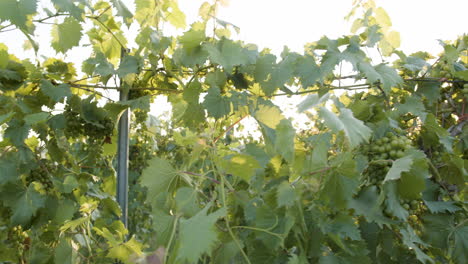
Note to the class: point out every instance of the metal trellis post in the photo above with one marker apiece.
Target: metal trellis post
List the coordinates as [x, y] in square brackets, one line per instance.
[122, 155]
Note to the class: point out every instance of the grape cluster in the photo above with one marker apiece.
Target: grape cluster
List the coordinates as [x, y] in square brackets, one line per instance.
[74, 123]
[139, 154]
[95, 151]
[77, 126]
[140, 116]
[382, 151]
[444, 70]
[17, 236]
[103, 130]
[465, 90]
[41, 174]
[415, 208]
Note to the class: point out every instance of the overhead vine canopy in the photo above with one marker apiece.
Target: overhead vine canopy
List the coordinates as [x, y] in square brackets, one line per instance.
[377, 175]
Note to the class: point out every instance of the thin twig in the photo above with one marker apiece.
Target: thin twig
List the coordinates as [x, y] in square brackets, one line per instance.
[108, 30]
[229, 128]
[200, 175]
[91, 91]
[118, 88]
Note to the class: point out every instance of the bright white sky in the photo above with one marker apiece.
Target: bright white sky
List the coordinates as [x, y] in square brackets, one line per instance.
[275, 23]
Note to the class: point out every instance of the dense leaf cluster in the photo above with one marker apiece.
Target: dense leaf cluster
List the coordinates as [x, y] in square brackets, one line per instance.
[377, 175]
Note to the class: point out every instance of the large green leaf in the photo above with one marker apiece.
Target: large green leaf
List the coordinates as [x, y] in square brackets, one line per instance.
[460, 250]
[198, 234]
[158, 177]
[241, 165]
[17, 12]
[55, 92]
[216, 104]
[284, 141]
[23, 202]
[230, 54]
[355, 130]
[66, 35]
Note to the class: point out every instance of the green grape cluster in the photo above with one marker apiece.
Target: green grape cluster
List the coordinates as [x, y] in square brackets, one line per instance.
[77, 126]
[17, 237]
[465, 90]
[139, 154]
[140, 116]
[382, 151]
[103, 130]
[444, 70]
[74, 123]
[41, 174]
[415, 208]
[436, 157]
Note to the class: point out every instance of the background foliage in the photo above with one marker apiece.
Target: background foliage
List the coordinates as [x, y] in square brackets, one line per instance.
[377, 175]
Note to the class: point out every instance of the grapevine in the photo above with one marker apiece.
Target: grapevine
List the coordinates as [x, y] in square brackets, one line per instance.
[367, 165]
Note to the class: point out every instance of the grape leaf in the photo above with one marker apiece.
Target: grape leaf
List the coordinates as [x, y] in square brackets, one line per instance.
[163, 224]
[355, 130]
[432, 126]
[192, 38]
[441, 206]
[284, 140]
[9, 168]
[414, 105]
[17, 132]
[269, 115]
[158, 176]
[436, 229]
[123, 11]
[229, 55]
[56, 93]
[64, 252]
[66, 35]
[17, 12]
[460, 250]
[286, 195]
[403, 165]
[383, 73]
[36, 118]
[124, 251]
[129, 64]
[307, 70]
[186, 201]
[367, 203]
[69, 6]
[344, 226]
[341, 187]
[241, 165]
[216, 104]
[198, 234]
[411, 240]
[412, 183]
[392, 202]
[310, 101]
[23, 202]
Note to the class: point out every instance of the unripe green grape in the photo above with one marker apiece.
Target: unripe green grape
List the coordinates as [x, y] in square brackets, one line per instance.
[399, 154]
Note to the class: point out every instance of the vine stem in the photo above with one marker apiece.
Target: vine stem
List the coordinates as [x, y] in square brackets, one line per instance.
[260, 230]
[200, 175]
[171, 238]
[229, 128]
[88, 245]
[108, 30]
[76, 85]
[223, 197]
